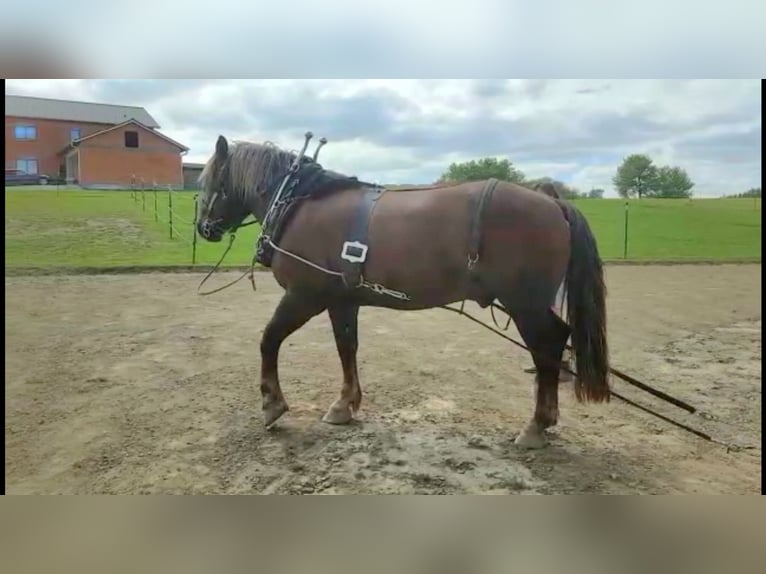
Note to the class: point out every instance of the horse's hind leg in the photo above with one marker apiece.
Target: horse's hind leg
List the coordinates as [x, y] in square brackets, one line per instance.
[291, 314]
[344, 317]
[546, 335]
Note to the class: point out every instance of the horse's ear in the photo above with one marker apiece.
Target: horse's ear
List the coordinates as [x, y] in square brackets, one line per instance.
[221, 148]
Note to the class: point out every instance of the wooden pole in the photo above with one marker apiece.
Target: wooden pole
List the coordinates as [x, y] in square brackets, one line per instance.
[156, 213]
[194, 232]
[170, 211]
[625, 244]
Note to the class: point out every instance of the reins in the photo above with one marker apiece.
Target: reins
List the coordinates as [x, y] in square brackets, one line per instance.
[250, 272]
[271, 209]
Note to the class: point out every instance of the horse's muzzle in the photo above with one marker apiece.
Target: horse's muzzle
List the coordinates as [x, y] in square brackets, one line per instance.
[209, 230]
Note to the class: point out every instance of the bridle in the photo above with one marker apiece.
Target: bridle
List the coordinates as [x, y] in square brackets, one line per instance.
[208, 226]
[275, 202]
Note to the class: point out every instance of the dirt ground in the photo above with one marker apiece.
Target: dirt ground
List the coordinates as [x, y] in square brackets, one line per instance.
[135, 384]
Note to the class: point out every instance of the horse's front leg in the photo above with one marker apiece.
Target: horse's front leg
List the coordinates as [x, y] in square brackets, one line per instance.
[291, 314]
[344, 317]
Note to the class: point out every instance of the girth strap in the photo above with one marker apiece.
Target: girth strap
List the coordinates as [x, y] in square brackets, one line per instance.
[354, 250]
[474, 240]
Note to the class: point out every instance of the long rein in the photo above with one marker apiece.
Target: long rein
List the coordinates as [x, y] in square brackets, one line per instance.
[273, 205]
[730, 446]
[249, 272]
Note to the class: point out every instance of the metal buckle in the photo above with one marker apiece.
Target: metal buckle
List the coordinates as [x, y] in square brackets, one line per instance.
[344, 254]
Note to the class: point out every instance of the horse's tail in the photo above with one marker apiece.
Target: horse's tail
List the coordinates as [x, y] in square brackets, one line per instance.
[586, 309]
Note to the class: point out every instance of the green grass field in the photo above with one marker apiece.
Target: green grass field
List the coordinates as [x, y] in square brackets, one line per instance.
[110, 228]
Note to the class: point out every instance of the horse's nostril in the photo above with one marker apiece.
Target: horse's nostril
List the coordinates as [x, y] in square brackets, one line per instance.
[209, 229]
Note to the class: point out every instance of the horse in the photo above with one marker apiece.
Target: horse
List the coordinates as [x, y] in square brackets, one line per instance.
[360, 245]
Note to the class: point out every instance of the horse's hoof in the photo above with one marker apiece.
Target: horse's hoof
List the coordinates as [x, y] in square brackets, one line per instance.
[337, 415]
[273, 411]
[531, 438]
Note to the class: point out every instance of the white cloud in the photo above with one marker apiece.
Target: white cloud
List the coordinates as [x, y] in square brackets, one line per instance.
[408, 131]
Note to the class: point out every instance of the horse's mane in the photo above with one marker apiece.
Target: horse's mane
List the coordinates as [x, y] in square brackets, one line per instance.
[252, 167]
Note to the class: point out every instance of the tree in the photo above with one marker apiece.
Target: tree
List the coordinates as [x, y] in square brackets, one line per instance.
[636, 176]
[596, 193]
[484, 168]
[569, 192]
[672, 181]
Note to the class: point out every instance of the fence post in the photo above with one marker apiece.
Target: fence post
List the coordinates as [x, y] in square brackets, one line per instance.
[194, 231]
[170, 211]
[143, 200]
[625, 244]
[156, 213]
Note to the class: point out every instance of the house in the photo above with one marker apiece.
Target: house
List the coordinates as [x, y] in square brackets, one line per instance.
[93, 145]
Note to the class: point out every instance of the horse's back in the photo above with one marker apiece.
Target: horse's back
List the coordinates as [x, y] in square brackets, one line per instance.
[425, 236]
[419, 239]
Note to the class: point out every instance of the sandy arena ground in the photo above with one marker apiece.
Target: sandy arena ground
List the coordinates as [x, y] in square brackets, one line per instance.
[135, 384]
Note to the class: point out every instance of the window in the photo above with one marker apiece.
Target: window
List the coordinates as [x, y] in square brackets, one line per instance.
[25, 132]
[74, 134]
[27, 165]
[131, 139]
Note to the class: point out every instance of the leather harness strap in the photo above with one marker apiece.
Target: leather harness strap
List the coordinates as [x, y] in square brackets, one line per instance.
[474, 240]
[355, 248]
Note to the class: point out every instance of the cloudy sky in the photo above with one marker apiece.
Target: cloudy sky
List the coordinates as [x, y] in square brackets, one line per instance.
[408, 131]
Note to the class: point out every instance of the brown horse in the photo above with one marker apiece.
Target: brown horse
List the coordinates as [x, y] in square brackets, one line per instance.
[414, 249]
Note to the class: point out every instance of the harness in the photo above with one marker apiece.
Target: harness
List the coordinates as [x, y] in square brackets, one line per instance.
[477, 223]
[353, 254]
[355, 248]
[308, 180]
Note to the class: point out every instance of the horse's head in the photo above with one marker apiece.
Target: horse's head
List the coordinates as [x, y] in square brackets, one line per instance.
[220, 206]
[237, 182]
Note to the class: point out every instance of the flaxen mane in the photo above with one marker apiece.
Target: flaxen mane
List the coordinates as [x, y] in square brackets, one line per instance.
[252, 167]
